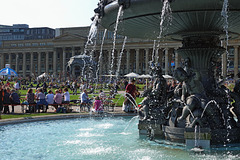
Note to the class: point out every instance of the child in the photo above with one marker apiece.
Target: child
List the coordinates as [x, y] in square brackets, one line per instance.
[98, 105]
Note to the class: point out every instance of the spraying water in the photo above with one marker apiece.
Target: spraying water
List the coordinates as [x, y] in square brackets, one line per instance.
[224, 14]
[92, 33]
[165, 16]
[101, 55]
[120, 14]
[154, 48]
[120, 57]
[131, 122]
[133, 103]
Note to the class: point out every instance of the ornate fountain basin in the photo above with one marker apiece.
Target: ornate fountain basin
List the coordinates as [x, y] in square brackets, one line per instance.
[141, 18]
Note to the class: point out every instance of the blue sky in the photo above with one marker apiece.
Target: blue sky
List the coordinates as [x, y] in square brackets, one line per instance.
[47, 13]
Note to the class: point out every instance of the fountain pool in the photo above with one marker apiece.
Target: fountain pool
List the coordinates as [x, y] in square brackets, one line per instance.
[98, 138]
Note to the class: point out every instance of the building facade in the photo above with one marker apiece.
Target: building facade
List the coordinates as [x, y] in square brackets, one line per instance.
[23, 32]
[32, 57]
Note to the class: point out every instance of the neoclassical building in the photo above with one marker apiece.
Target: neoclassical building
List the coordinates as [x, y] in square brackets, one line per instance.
[34, 57]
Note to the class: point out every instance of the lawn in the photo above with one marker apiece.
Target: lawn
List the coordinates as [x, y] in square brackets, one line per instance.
[9, 116]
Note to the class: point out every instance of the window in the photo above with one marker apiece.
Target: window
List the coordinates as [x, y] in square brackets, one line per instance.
[20, 45]
[27, 44]
[13, 45]
[34, 44]
[16, 30]
[20, 67]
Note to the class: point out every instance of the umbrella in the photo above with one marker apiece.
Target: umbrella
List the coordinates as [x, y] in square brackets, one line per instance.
[110, 75]
[8, 72]
[167, 76]
[133, 75]
[42, 75]
[145, 76]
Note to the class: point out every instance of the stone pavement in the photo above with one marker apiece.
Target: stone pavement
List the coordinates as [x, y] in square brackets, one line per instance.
[75, 109]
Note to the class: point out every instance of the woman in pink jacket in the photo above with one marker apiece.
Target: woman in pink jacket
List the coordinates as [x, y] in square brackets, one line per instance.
[98, 105]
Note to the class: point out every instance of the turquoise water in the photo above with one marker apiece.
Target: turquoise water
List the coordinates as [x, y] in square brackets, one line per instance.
[91, 139]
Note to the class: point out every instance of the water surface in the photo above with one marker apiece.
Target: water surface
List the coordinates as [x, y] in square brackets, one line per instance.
[90, 139]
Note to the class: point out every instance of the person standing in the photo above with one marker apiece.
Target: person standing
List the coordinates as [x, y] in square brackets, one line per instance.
[74, 86]
[1, 99]
[129, 102]
[16, 86]
[6, 101]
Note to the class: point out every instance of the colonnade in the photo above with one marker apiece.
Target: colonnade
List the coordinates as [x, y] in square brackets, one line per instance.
[54, 60]
[138, 60]
[50, 61]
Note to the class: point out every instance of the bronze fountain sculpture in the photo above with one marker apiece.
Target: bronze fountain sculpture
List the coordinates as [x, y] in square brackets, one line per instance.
[199, 102]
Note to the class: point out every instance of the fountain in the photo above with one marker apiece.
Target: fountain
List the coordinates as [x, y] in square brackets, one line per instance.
[200, 100]
[82, 65]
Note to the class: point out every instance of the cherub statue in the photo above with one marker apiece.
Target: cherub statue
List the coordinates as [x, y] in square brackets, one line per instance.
[157, 96]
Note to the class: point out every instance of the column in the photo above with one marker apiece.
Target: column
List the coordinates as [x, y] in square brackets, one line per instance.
[137, 60]
[39, 63]
[2, 60]
[16, 68]
[55, 62]
[235, 62]
[146, 61]
[224, 65]
[176, 58]
[166, 61]
[24, 64]
[128, 61]
[31, 64]
[47, 62]
[64, 61]
[73, 68]
[73, 51]
[10, 59]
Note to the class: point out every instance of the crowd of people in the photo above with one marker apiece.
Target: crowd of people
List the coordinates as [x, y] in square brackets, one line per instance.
[48, 92]
[43, 96]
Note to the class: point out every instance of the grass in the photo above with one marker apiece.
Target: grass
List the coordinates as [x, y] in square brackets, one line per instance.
[10, 116]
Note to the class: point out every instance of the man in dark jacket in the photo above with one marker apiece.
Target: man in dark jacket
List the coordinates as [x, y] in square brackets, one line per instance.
[14, 98]
[6, 100]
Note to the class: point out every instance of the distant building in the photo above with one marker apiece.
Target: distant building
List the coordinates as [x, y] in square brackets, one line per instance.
[39, 51]
[23, 32]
